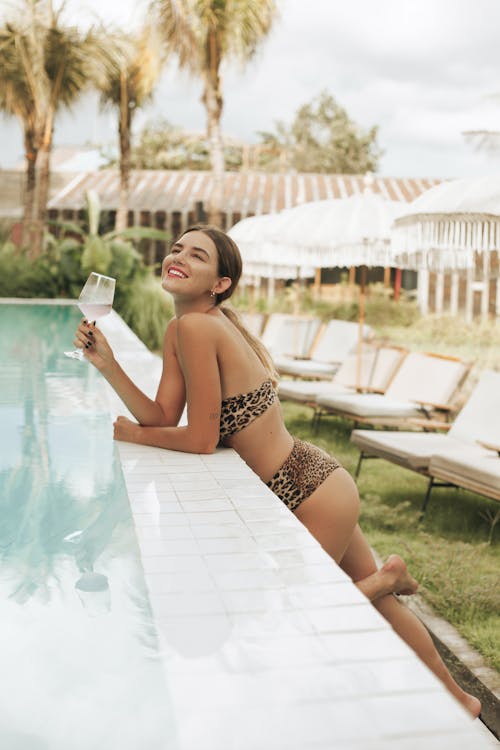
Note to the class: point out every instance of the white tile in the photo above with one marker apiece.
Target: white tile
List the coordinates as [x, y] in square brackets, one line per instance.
[256, 601]
[271, 624]
[180, 582]
[358, 617]
[187, 603]
[165, 532]
[157, 509]
[215, 517]
[325, 594]
[223, 530]
[242, 502]
[142, 520]
[286, 540]
[195, 506]
[154, 547]
[433, 712]
[201, 494]
[168, 563]
[238, 580]
[270, 512]
[240, 561]
[225, 546]
[323, 573]
[192, 645]
[373, 645]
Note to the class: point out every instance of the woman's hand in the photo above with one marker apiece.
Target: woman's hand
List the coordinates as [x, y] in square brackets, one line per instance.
[94, 344]
[126, 430]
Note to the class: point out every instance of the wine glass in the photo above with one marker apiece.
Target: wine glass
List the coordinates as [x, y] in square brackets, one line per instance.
[95, 301]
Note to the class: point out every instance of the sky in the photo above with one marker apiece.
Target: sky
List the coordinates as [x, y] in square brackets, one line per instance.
[424, 71]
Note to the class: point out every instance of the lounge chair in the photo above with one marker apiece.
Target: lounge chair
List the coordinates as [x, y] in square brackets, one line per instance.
[334, 343]
[456, 457]
[290, 335]
[378, 366]
[424, 386]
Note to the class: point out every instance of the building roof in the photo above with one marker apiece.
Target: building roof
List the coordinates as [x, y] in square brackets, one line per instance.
[246, 193]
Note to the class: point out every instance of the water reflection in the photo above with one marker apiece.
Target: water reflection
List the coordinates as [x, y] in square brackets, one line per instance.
[81, 670]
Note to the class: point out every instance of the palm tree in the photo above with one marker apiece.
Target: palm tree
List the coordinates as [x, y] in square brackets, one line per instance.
[44, 66]
[22, 93]
[202, 33]
[128, 85]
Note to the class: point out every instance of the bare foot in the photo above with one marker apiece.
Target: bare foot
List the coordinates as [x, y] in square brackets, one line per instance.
[471, 704]
[403, 581]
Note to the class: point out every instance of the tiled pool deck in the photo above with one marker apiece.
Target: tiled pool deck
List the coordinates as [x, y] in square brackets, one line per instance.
[266, 643]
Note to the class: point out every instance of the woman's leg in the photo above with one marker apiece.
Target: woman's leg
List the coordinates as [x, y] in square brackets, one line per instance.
[359, 564]
[333, 522]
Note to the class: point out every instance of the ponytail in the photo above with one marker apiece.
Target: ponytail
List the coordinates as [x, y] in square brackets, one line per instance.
[258, 347]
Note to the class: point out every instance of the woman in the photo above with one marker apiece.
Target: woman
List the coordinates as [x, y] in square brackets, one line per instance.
[227, 379]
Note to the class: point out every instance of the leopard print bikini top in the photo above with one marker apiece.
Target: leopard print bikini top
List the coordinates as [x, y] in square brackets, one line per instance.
[239, 411]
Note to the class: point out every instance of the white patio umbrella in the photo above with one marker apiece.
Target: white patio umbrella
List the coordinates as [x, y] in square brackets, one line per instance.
[453, 226]
[352, 231]
[262, 260]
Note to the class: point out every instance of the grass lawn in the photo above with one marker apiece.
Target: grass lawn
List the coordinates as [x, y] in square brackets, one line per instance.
[454, 553]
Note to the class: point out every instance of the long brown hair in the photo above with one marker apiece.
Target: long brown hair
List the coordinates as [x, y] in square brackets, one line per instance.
[230, 264]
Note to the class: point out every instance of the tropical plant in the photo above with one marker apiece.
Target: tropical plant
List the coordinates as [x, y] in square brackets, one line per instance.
[44, 66]
[202, 33]
[321, 138]
[128, 85]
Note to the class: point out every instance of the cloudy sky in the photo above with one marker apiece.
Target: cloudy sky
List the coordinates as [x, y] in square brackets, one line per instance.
[423, 71]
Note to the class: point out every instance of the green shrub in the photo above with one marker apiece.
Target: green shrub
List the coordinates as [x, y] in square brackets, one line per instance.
[63, 268]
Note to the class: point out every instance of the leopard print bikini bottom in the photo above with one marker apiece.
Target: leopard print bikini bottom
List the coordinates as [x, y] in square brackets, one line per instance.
[305, 469]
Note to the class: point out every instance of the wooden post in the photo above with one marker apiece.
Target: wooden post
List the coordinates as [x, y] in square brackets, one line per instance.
[397, 285]
[317, 283]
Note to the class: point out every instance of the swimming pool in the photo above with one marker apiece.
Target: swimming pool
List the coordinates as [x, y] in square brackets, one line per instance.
[81, 669]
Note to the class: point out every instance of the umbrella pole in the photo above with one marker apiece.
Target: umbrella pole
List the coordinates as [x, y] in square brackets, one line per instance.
[361, 326]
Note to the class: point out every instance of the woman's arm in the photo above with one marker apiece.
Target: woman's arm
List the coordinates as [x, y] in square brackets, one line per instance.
[167, 407]
[197, 354]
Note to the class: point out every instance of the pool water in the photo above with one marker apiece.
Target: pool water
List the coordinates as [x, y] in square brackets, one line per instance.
[79, 661]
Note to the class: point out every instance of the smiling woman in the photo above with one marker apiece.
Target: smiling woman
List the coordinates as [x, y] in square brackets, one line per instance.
[227, 381]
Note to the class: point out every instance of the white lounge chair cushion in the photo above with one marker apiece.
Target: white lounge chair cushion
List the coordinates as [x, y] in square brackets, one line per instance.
[306, 391]
[427, 379]
[411, 449]
[369, 405]
[289, 334]
[338, 339]
[304, 367]
[479, 417]
[468, 465]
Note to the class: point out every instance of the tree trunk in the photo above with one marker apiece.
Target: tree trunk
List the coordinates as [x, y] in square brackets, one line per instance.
[43, 199]
[31, 153]
[124, 130]
[212, 100]
[44, 176]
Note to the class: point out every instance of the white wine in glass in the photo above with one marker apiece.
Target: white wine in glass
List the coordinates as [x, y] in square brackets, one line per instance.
[95, 301]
